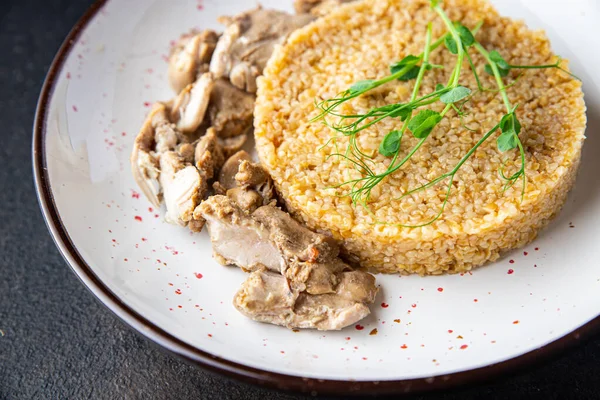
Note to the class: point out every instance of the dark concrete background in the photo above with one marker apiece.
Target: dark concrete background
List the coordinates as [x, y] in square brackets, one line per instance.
[58, 342]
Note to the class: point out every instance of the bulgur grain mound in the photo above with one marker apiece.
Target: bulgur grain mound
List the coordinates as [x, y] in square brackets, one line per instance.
[359, 41]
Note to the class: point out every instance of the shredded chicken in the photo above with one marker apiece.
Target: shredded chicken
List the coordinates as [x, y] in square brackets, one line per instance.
[298, 281]
[248, 42]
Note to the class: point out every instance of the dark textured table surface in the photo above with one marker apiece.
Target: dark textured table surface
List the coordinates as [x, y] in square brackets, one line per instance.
[58, 342]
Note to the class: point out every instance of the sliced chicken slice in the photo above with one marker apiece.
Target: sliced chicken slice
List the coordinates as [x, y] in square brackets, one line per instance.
[189, 108]
[191, 55]
[230, 109]
[237, 238]
[248, 42]
[183, 188]
[268, 297]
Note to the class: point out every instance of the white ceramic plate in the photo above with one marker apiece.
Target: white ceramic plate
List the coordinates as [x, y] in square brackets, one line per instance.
[423, 333]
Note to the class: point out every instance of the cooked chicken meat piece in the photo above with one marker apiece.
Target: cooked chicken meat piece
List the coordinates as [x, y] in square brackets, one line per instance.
[268, 297]
[237, 238]
[230, 109]
[248, 42]
[182, 186]
[189, 108]
[156, 136]
[318, 7]
[245, 182]
[230, 169]
[293, 239]
[190, 57]
[168, 167]
[307, 286]
[209, 156]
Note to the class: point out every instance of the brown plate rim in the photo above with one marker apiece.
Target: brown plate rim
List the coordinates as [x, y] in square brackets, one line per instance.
[209, 361]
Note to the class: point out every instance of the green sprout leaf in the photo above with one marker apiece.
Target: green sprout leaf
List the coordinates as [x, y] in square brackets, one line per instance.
[401, 111]
[424, 122]
[439, 87]
[435, 3]
[451, 44]
[455, 95]
[362, 86]
[499, 60]
[391, 143]
[408, 61]
[503, 72]
[510, 127]
[466, 36]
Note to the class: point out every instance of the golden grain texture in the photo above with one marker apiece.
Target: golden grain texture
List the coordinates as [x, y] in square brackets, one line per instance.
[359, 41]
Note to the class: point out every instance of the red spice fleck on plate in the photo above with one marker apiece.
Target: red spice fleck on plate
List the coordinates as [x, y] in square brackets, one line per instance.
[282, 352]
[385, 305]
[414, 306]
[75, 108]
[373, 332]
[150, 209]
[440, 289]
[397, 321]
[525, 253]
[512, 261]
[138, 218]
[475, 300]
[537, 249]
[450, 331]
[170, 284]
[359, 327]
[135, 194]
[123, 133]
[180, 306]
[209, 335]
[147, 104]
[364, 358]
[198, 275]
[515, 322]
[404, 346]
[348, 338]
[511, 271]
[178, 291]
[68, 75]
[464, 346]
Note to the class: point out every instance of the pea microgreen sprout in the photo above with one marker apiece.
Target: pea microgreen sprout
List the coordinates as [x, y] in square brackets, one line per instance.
[421, 121]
